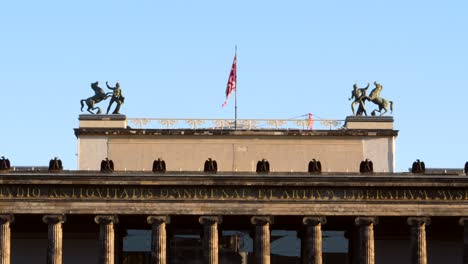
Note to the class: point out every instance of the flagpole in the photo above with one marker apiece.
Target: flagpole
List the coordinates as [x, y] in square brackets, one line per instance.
[235, 96]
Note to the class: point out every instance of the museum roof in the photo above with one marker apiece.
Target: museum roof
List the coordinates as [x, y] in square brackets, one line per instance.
[231, 132]
[118, 125]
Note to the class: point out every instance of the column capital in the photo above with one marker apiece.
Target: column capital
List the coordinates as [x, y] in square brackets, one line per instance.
[463, 221]
[54, 219]
[413, 221]
[366, 220]
[314, 220]
[106, 219]
[261, 220]
[210, 219]
[158, 219]
[9, 218]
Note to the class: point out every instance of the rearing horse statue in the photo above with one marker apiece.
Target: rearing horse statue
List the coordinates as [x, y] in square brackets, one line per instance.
[96, 98]
[381, 102]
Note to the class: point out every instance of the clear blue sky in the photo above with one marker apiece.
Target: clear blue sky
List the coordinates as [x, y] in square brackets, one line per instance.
[173, 58]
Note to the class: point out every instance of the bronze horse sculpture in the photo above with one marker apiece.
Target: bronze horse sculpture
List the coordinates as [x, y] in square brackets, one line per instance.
[96, 98]
[381, 102]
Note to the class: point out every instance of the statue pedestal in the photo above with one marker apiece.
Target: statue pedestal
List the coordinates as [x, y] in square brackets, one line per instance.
[103, 121]
[369, 122]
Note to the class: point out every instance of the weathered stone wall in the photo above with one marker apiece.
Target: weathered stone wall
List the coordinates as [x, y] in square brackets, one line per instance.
[286, 151]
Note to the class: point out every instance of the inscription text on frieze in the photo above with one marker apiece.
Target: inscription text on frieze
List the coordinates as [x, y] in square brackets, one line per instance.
[144, 193]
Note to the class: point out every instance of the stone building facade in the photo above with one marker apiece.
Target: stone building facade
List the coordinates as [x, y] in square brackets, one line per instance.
[234, 215]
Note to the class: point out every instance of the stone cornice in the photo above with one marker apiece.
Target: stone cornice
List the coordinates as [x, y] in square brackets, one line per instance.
[299, 134]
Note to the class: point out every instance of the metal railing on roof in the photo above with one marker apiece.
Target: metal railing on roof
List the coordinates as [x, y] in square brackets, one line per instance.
[244, 124]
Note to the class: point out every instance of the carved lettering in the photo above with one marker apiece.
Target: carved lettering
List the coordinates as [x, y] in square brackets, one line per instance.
[379, 195]
[442, 195]
[331, 194]
[99, 192]
[285, 195]
[177, 192]
[58, 192]
[423, 195]
[163, 193]
[36, 192]
[450, 195]
[317, 195]
[389, 195]
[236, 195]
[261, 194]
[296, 194]
[203, 193]
[20, 192]
[187, 193]
[124, 194]
[53, 193]
[89, 192]
[224, 194]
[360, 195]
[63, 193]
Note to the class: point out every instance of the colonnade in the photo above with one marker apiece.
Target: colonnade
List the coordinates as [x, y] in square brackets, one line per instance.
[311, 240]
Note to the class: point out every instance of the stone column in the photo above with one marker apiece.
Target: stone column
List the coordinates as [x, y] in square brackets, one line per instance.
[106, 237]
[366, 238]
[313, 239]
[158, 238]
[418, 239]
[262, 238]
[210, 235]
[5, 238]
[464, 222]
[55, 237]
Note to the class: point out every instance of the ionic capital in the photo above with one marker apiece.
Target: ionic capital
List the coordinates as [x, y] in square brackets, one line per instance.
[158, 219]
[7, 219]
[261, 220]
[418, 221]
[366, 220]
[314, 220]
[463, 221]
[106, 219]
[210, 220]
[54, 219]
